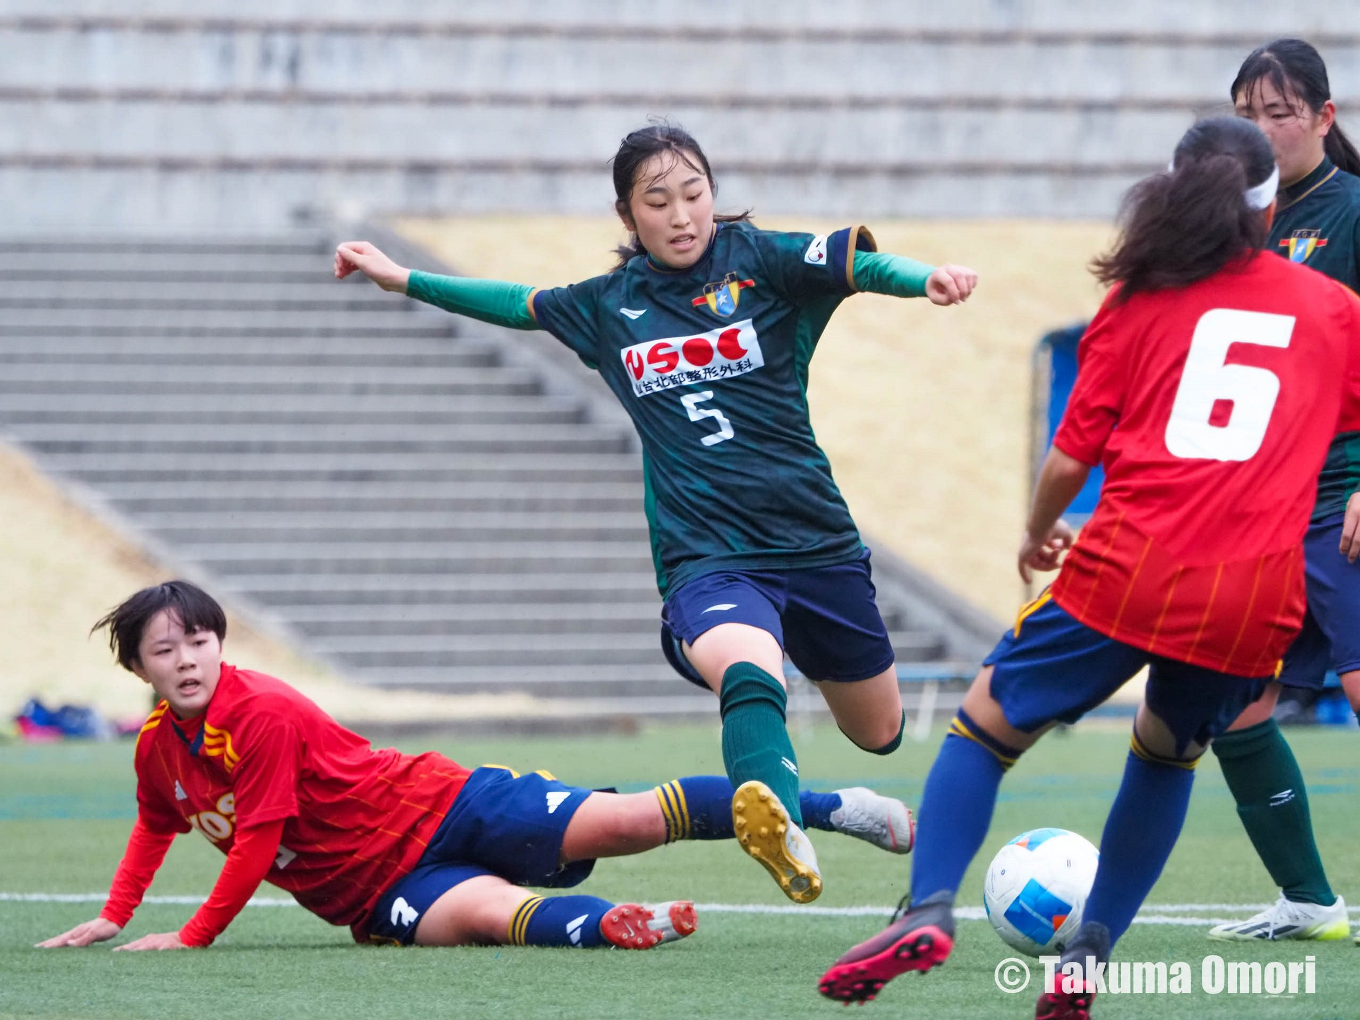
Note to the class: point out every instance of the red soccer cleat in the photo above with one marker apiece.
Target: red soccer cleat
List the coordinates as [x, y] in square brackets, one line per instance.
[920, 938]
[630, 926]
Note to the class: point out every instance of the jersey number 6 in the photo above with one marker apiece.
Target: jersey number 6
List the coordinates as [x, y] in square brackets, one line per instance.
[697, 413]
[1246, 392]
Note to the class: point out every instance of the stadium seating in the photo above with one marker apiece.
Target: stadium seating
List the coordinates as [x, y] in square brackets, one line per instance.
[256, 114]
[422, 502]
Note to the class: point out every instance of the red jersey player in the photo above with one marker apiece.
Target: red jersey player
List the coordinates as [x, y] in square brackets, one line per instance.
[401, 848]
[1210, 386]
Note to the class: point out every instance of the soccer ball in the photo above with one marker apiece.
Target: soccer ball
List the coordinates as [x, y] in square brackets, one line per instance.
[1036, 888]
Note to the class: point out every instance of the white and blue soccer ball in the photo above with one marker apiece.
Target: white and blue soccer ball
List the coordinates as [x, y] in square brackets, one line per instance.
[1037, 887]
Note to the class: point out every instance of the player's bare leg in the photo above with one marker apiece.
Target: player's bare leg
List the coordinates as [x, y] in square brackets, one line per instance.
[614, 825]
[869, 712]
[744, 666]
[488, 910]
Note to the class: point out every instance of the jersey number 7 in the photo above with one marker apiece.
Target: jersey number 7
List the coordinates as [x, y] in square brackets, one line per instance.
[1208, 381]
[697, 413]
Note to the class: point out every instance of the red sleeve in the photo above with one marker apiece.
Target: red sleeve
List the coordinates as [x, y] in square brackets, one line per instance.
[265, 780]
[145, 850]
[252, 853]
[1097, 399]
[1350, 400]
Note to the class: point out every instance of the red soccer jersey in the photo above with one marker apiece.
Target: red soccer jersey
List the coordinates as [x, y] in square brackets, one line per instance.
[357, 819]
[1211, 407]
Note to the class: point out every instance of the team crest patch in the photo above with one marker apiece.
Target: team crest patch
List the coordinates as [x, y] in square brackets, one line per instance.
[1302, 244]
[723, 297]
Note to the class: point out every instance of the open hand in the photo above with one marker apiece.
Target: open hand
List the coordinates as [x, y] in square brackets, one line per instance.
[166, 940]
[950, 285]
[370, 261]
[98, 930]
[1044, 554]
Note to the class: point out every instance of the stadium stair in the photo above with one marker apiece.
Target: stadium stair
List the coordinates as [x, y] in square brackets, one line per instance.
[422, 501]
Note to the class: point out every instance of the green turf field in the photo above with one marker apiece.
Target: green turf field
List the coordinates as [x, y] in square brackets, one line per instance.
[65, 812]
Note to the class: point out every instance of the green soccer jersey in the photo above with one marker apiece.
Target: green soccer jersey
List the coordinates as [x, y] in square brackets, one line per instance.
[711, 363]
[1316, 226]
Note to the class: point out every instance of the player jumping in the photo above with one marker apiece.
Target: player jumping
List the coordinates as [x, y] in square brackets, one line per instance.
[704, 331]
[1210, 385]
[1283, 88]
[401, 848]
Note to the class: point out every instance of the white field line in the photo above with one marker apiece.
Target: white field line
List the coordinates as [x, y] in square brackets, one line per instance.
[1153, 913]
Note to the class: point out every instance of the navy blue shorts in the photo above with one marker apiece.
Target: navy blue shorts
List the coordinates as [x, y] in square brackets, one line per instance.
[824, 618]
[1330, 638]
[1050, 667]
[500, 824]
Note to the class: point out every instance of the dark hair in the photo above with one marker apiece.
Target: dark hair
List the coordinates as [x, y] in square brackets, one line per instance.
[195, 608]
[635, 150]
[1186, 224]
[1296, 69]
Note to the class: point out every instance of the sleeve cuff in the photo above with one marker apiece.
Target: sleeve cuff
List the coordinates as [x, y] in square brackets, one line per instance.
[1065, 445]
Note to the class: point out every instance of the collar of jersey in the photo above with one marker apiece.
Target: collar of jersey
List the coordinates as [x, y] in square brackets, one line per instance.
[1316, 177]
[657, 267]
[196, 744]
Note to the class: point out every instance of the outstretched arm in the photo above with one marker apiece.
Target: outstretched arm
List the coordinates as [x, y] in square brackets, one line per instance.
[882, 273]
[1046, 534]
[145, 851]
[251, 856]
[501, 304]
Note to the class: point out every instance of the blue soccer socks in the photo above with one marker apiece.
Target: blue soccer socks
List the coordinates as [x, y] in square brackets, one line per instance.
[755, 741]
[1144, 822]
[559, 921]
[700, 807]
[956, 806]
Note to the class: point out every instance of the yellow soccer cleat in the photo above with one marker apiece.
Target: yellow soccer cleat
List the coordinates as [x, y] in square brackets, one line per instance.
[766, 832]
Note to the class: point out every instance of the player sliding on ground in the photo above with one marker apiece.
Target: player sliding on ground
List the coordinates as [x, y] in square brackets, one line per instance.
[401, 848]
[704, 331]
[1283, 88]
[1210, 385]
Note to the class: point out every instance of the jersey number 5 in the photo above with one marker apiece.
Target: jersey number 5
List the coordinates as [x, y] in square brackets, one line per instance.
[1246, 393]
[697, 413]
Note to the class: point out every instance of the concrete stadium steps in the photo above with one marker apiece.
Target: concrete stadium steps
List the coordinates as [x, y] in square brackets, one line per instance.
[260, 115]
[420, 507]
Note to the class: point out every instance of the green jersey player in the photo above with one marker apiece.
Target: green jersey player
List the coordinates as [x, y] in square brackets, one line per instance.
[704, 332]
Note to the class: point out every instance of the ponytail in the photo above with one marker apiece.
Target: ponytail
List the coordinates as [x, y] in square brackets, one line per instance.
[1341, 150]
[1187, 223]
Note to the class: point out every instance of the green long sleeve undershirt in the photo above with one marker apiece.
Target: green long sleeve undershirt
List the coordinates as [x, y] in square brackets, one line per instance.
[882, 273]
[501, 304]
[507, 304]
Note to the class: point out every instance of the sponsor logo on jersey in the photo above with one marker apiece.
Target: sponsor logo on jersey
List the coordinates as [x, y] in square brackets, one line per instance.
[1302, 244]
[633, 313]
[816, 253]
[723, 297]
[722, 353]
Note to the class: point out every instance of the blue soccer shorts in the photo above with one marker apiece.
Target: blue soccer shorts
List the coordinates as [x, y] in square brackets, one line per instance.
[1050, 667]
[502, 824]
[824, 618]
[1330, 638]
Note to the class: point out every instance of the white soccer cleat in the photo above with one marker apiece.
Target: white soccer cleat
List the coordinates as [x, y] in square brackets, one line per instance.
[1287, 919]
[766, 832]
[631, 926]
[885, 822]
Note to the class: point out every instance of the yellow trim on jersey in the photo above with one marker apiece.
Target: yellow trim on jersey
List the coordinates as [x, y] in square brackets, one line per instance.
[217, 743]
[1296, 201]
[519, 922]
[503, 768]
[853, 246]
[529, 303]
[1140, 749]
[545, 774]
[152, 721]
[1030, 608]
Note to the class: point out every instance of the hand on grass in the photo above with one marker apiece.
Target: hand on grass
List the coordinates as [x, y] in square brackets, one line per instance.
[98, 930]
[950, 285]
[370, 261]
[166, 940]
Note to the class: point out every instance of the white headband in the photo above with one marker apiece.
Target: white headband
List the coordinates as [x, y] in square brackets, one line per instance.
[1258, 197]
